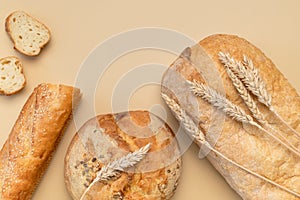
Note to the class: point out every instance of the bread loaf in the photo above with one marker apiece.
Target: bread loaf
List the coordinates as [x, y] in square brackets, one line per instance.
[108, 137]
[32, 141]
[244, 144]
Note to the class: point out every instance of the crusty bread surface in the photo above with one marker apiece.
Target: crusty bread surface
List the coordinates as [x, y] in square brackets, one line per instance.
[244, 144]
[28, 34]
[107, 137]
[32, 141]
[12, 78]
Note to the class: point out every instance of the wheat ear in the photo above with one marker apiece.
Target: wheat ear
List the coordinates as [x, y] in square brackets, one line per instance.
[250, 67]
[246, 96]
[192, 128]
[112, 169]
[181, 115]
[220, 102]
[235, 112]
[231, 66]
[249, 75]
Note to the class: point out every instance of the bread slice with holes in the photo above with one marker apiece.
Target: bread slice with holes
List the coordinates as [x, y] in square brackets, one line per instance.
[28, 34]
[12, 78]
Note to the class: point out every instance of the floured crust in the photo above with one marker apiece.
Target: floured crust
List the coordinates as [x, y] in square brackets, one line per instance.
[244, 144]
[108, 137]
[28, 150]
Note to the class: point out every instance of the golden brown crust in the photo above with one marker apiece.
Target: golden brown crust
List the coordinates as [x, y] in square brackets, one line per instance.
[108, 137]
[28, 150]
[7, 29]
[244, 144]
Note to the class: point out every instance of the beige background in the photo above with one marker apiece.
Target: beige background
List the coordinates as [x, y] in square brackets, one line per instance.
[78, 26]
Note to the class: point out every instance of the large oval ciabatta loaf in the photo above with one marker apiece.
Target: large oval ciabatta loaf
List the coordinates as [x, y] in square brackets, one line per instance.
[208, 73]
[33, 139]
[109, 137]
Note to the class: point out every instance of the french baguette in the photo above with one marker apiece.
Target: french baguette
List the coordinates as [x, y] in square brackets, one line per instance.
[242, 143]
[32, 141]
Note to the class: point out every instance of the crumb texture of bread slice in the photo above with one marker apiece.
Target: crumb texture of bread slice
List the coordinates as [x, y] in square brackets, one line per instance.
[12, 78]
[28, 34]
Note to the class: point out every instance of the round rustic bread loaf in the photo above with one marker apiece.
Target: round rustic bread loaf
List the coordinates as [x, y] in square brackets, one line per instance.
[106, 138]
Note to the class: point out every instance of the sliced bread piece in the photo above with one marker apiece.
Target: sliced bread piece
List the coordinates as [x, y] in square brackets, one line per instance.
[12, 79]
[27, 33]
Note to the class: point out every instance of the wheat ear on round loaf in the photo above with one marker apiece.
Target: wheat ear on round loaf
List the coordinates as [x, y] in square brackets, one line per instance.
[112, 169]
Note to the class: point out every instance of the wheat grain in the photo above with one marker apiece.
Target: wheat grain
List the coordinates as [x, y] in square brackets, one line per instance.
[220, 102]
[190, 126]
[237, 72]
[246, 96]
[249, 75]
[255, 83]
[112, 169]
[181, 115]
[237, 67]
[247, 62]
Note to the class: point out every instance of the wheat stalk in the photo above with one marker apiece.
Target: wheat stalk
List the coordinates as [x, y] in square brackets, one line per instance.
[247, 62]
[112, 169]
[237, 67]
[250, 77]
[245, 96]
[220, 102]
[231, 65]
[252, 70]
[181, 115]
[235, 112]
[255, 84]
[191, 127]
